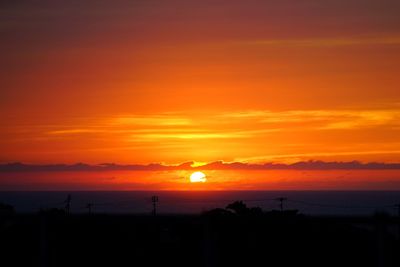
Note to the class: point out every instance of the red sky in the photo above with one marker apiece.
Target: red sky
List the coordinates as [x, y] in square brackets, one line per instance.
[216, 180]
[176, 81]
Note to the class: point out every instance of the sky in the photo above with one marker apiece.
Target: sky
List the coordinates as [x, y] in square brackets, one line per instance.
[140, 82]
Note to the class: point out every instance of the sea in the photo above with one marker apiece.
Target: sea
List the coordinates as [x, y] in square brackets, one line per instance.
[347, 203]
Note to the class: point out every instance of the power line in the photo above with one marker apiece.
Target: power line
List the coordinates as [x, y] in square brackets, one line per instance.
[135, 202]
[336, 206]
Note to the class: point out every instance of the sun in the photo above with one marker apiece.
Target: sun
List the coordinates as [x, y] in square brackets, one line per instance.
[198, 177]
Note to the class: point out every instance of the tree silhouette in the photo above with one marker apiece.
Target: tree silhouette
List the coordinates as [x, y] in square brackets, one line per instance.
[238, 207]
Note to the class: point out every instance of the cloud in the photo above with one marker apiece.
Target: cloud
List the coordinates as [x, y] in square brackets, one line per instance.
[327, 42]
[198, 135]
[293, 134]
[329, 119]
[244, 136]
[230, 125]
[217, 165]
[293, 157]
[163, 120]
[73, 131]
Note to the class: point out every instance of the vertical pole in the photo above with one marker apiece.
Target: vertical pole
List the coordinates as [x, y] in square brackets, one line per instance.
[68, 204]
[89, 207]
[380, 232]
[281, 199]
[154, 199]
[44, 260]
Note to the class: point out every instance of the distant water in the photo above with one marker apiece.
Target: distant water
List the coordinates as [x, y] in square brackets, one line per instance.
[178, 202]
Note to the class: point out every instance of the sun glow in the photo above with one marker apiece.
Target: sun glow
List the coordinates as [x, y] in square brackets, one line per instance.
[198, 177]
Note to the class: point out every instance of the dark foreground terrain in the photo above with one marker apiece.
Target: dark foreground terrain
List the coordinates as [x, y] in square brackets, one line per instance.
[215, 239]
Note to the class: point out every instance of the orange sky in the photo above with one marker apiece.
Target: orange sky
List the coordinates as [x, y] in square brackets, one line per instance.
[174, 81]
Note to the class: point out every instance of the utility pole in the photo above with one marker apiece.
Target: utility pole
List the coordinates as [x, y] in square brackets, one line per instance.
[68, 204]
[281, 199]
[89, 207]
[154, 199]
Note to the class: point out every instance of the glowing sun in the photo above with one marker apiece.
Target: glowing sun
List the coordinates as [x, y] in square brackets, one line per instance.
[198, 177]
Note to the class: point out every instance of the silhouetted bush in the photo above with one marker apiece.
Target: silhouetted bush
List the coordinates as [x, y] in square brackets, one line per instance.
[217, 212]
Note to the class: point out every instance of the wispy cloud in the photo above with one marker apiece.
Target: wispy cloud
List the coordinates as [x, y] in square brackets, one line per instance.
[153, 120]
[327, 42]
[295, 157]
[247, 135]
[243, 124]
[322, 119]
[198, 135]
[74, 131]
